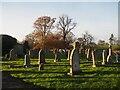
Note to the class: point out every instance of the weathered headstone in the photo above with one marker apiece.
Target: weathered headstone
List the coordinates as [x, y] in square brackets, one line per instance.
[57, 56]
[31, 53]
[41, 57]
[6, 56]
[74, 59]
[12, 55]
[104, 57]
[41, 67]
[69, 51]
[11, 66]
[109, 57]
[27, 61]
[94, 59]
[117, 55]
[88, 56]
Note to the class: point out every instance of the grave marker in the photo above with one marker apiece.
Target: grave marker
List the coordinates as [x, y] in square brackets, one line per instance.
[41, 57]
[104, 56]
[41, 67]
[12, 55]
[74, 59]
[57, 56]
[109, 57]
[27, 61]
[94, 59]
[68, 57]
[88, 54]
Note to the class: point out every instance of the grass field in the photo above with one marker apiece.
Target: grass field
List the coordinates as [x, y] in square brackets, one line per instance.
[55, 75]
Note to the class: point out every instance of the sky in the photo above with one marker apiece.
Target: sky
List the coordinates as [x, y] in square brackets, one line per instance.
[98, 18]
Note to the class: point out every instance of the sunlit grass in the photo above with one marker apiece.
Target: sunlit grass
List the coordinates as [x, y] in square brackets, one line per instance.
[55, 75]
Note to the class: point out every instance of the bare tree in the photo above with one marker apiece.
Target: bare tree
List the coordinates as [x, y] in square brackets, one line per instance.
[65, 24]
[43, 25]
[87, 38]
[31, 40]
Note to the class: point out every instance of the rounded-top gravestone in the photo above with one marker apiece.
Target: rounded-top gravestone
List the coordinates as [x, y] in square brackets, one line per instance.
[74, 59]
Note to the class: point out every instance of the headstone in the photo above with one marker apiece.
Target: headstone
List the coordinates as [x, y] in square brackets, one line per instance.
[12, 55]
[88, 57]
[104, 57]
[68, 58]
[27, 61]
[41, 67]
[57, 56]
[74, 59]
[117, 57]
[41, 57]
[11, 66]
[109, 57]
[96, 56]
[94, 59]
[31, 53]
[6, 56]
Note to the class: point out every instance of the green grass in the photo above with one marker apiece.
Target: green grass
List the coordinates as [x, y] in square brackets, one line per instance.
[114, 47]
[55, 75]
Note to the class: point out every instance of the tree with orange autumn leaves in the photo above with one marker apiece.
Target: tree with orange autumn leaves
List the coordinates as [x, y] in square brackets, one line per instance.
[43, 37]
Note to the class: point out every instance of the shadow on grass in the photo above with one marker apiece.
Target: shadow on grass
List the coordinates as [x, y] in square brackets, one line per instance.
[9, 82]
[102, 72]
[33, 72]
[57, 65]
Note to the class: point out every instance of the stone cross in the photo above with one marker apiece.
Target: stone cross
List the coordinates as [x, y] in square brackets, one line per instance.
[57, 56]
[104, 55]
[27, 61]
[41, 57]
[74, 59]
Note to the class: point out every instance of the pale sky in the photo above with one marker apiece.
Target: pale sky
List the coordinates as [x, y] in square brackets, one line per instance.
[98, 18]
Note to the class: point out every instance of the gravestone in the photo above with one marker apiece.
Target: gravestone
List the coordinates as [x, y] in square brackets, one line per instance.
[12, 55]
[27, 61]
[94, 58]
[41, 67]
[6, 56]
[41, 57]
[31, 53]
[68, 57]
[57, 56]
[11, 66]
[104, 57]
[74, 59]
[109, 57]
[117, 55]
[88, 54]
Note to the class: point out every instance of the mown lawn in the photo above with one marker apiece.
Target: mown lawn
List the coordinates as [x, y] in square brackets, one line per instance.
[55, 75]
